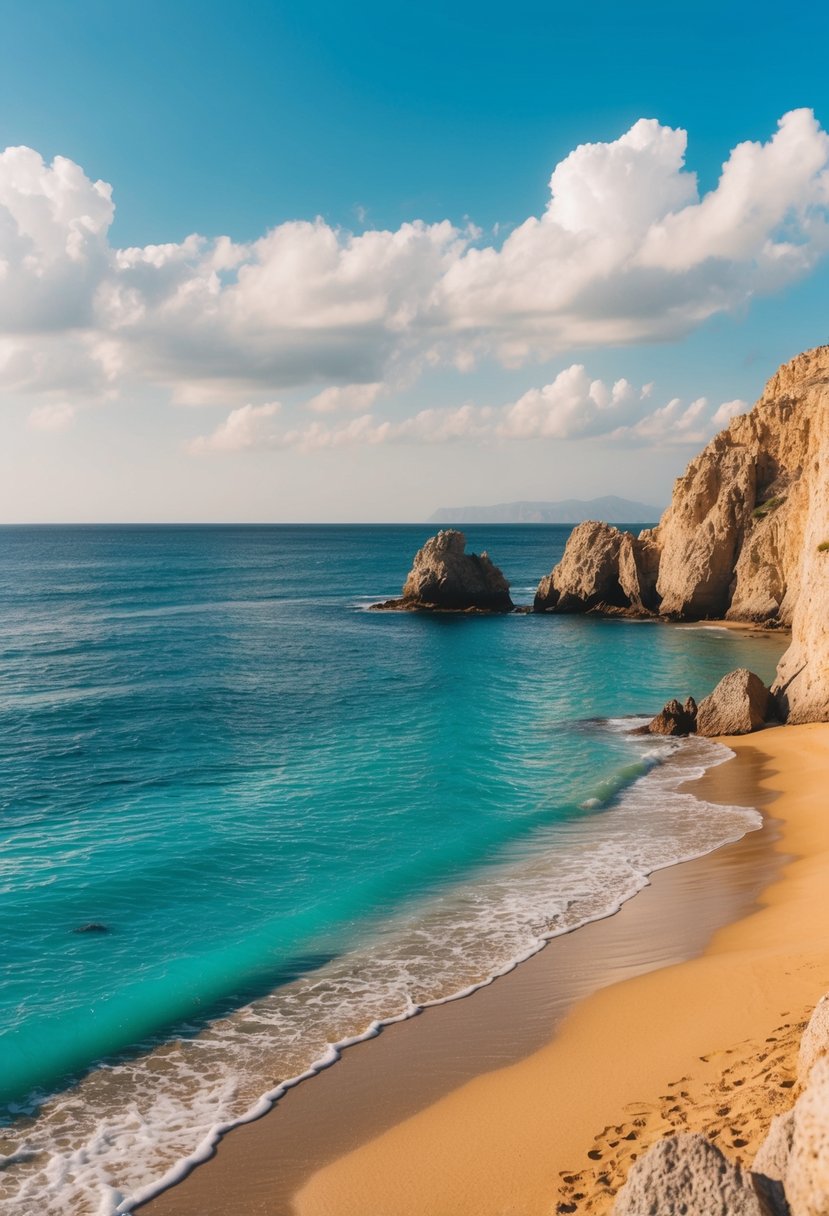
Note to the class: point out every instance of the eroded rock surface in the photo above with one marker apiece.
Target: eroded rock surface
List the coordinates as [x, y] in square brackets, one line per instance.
[602, 569]
[815, 1041]
[806, 1182]
[675, 719]
[738, 705]
[701, 532]
[746, 536]
[445, 577]
[687, 1174]
[772, 1158]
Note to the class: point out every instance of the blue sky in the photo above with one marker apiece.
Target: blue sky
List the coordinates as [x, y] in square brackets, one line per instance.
[217, 120]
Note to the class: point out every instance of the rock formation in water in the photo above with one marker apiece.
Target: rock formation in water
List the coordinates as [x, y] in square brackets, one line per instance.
[444, 577]
[602, 570]
[675, 719]
[746, 537]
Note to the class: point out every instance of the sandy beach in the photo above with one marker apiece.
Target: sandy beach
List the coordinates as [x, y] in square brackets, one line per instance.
[707, 1045]
[535, 1095]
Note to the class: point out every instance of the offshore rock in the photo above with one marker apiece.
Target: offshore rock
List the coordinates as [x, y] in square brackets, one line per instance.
[602, 569]
[738, 705]
[686, 1173]
[675, 719]
[445, 577]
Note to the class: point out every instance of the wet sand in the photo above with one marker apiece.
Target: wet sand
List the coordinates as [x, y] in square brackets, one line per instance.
[708, 1045]
[407, 1122]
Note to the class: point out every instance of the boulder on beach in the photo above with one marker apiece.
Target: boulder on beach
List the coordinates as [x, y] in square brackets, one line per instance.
[807, 1169]
[738, 705]
[445, 577]
[771, 1164]
[687, 1173]
[675, 719]
[815, 1041]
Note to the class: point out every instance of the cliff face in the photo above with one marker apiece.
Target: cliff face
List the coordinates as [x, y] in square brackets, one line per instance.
[743, 535]
[733, 540]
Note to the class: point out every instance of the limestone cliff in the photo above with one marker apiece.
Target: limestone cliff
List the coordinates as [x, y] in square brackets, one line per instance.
[743, 537]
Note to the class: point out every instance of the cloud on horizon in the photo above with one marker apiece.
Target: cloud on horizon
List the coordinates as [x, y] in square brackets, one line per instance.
[572, 407]
[626, 251]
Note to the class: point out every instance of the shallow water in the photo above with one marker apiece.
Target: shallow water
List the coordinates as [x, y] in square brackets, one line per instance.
[289, 818]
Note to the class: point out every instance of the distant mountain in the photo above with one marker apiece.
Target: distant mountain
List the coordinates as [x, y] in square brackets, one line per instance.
[610, 509]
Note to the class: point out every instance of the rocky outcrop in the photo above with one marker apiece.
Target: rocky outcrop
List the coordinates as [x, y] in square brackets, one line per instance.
[444, 577]
[687, 1173]
[791, 1169]
[806, 1180]
[738, 705]
[790, 1172]
[814, 1044]
[675, 719]
[638, 571]
[734, 539]
[746, 537]
[602, 569]
[772, 1159]
[701, 532]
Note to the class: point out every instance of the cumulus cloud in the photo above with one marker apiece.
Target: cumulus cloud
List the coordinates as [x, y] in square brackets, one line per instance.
[626, 251]
[571, 407]
[247, 427]
[345, 397]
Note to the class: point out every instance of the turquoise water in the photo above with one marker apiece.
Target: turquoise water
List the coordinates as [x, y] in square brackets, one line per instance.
[288, 818]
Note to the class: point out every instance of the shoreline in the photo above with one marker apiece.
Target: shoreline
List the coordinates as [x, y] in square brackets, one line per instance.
[416, 1063]
[709, 1045]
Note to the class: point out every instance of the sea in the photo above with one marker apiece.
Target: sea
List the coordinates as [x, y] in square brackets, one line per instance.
[246, 822]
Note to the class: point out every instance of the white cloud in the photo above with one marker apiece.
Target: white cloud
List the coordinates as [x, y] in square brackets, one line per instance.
[246, 427]
[572, 407]
[345, 397]
[729, 410]
[53, 418]
[626, 251]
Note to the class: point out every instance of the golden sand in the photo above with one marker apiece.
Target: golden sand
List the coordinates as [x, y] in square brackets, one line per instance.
[708, 1044]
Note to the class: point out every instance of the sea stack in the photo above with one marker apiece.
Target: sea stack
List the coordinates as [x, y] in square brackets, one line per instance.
[602, 570]
[444, 577]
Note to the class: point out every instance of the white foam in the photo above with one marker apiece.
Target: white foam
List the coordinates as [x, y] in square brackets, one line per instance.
[130, 1130]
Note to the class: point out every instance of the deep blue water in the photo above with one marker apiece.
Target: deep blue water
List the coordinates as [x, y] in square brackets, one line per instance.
[209, 749]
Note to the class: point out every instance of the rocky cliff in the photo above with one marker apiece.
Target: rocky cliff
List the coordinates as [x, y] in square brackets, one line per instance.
[746, 537]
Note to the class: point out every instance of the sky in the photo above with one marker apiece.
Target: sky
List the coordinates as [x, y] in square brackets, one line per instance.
[282, 262]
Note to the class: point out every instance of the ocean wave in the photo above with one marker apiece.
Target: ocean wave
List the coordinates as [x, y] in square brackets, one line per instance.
[134, 1127]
